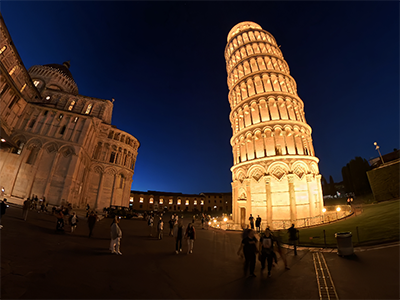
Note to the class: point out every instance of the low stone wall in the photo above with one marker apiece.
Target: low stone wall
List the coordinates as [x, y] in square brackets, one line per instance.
[384, 181]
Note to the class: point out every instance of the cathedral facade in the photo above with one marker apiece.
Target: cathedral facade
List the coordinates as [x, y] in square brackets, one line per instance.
[56, 143]
[275, 173]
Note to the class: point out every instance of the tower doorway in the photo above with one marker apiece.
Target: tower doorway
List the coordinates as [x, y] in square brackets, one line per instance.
[243, 217]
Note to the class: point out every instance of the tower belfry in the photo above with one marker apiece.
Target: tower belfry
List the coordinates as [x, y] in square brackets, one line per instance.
[275, 172]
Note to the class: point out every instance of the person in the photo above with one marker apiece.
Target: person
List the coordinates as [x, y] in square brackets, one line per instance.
[87, 210]
[245, 232]
[258, 224]
[3, 209]
[73, 221]
[92, 218]
[293, 232]
[266, 251]
[280, 249]
[150, 223]
[251, 219]
[60, 220]
[193, 218]
[160, 228]
[190, 235]
[171, 223]
[116, 236]
[249, 248]
[178, 234]
[25, 208]
[202, 221]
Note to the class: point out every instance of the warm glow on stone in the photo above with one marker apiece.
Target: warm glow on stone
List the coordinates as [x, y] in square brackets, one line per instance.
[275, 173]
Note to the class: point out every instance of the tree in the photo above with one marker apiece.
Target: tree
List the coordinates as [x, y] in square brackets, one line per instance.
[325, 187]
[332, 190]
[355, 176]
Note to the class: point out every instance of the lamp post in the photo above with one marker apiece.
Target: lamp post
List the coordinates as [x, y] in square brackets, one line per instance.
[377, 148]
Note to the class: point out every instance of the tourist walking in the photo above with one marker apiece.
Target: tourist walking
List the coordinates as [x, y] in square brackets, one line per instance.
[258, 224]
[178, 234]
[150, 223]
[293, 237]
[60, 220]
[251, 219]
[202, 221]
[3, 207]
[25, 208]
[266, 251]
[280, 249]
[73, 221]
[160, 228]
[249, 248]
[171, 223]
[116, 236]
[92, 219]
[190, 235]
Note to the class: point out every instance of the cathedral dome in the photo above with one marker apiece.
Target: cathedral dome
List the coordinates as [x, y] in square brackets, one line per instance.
[55, 77]
[64, 68]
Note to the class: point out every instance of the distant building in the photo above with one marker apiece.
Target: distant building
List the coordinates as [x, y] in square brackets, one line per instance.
[177, 202]
[377, 161]
[56, 143]
[275, 171]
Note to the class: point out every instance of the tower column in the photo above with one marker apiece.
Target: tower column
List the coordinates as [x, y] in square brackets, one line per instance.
[292, 196]
[269, 200]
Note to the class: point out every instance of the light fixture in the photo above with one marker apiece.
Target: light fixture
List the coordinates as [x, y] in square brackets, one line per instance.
[338, 209]
[324, 209]
[3, 140]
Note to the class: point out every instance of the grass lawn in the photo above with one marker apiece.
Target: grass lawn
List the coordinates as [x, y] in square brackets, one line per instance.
[377, 223]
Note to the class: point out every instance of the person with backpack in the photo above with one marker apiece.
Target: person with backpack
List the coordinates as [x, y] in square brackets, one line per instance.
[266, 252]
[190, 235]
[73, 221]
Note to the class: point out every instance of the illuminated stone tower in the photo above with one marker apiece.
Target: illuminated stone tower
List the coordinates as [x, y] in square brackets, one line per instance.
[275, 172]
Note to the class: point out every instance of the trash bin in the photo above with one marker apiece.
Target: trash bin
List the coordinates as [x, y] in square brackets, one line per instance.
[344, 243]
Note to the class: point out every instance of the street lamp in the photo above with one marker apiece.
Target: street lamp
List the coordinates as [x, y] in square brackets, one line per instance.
[377, 148]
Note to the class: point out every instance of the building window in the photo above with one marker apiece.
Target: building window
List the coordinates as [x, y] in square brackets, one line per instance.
[161, 201]
[75, 119]
[13, 101]
[45, 113]
[13, 70]
[22, 89]
[3, 49]
[71, 105]
[36, 82]
[202, 202]
[32, 156]
[151, 201]
[141, 200]
[48, 98]
[179, 202]
[32, 123]
[195, 202]
[60, 117]
[62, 130]
[88, 109]
[131, 199]
[121, 182]
[4, 89]
[170, 201]
[187, 202]
[19, 149]
[112, 157]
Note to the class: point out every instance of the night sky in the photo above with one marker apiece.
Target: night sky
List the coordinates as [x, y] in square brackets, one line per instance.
[164, 64]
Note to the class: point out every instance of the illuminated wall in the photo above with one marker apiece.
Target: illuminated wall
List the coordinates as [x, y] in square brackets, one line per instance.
[275, 172]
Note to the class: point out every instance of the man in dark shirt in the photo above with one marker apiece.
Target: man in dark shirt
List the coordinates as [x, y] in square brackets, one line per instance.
[251, 219]
[249, 246]
[293, 237]
[258, 224]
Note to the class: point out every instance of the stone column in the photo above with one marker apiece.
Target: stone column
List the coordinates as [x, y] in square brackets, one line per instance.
[269, 200]
[99, 190]
[311, 200]
[38, 158]
[51, 173]
[320, 197]
[292, 196]
[113, 190]
[22, 158]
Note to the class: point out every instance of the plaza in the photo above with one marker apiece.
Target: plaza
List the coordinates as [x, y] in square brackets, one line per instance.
[37, 263]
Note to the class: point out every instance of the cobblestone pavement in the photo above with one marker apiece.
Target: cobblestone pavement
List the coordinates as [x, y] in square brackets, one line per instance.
[38, 263]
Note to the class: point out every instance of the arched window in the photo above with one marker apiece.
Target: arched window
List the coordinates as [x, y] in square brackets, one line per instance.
[88, 109]
[13, 101]
[71, 105]
[62, 130]
[112, 157]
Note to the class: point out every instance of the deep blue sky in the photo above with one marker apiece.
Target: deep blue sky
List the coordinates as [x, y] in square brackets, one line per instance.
[164, 64]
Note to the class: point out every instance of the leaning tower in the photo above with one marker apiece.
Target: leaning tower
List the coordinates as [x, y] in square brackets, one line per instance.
[275, 172]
